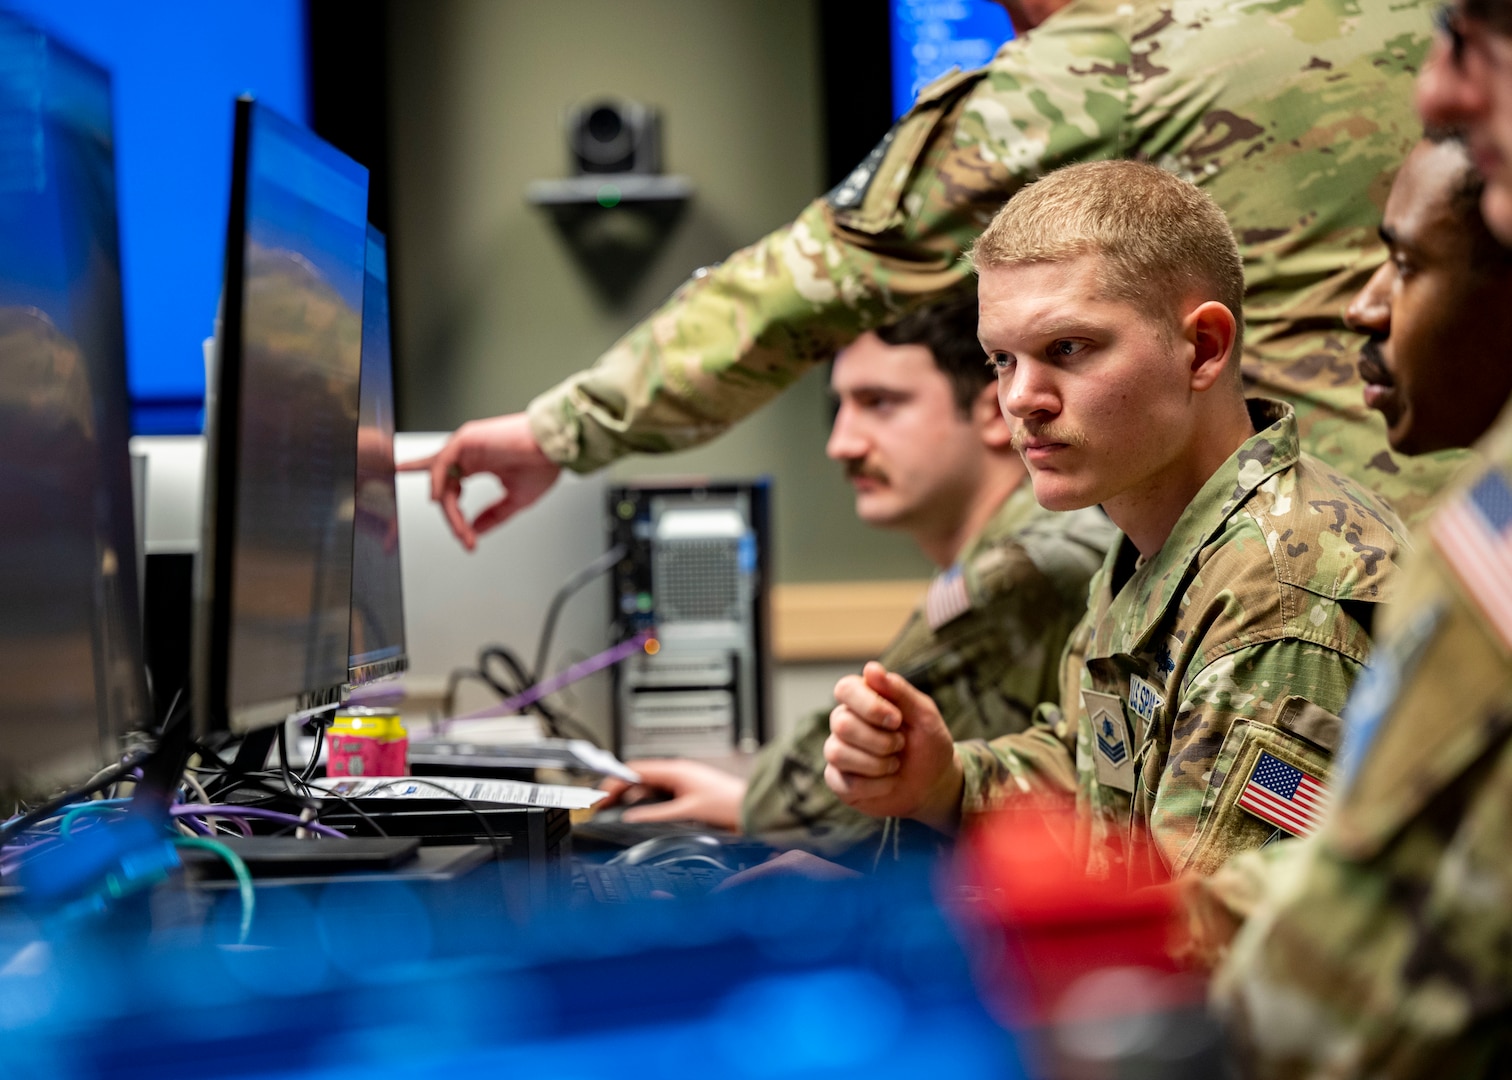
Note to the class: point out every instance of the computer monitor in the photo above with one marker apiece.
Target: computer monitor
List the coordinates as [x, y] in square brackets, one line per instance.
[377, 647]
[274, 581]
[71, 676]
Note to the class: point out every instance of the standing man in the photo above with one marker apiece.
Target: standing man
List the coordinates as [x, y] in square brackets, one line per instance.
[1290, 116]
[1227, 627]
[1381, 947]
[921, 437]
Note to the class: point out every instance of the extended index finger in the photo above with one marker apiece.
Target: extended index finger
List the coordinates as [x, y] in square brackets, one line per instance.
[414, 464]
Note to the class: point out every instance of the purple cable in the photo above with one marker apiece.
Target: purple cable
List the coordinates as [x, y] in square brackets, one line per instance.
[196, 824]
[581, 670]
[206, 809]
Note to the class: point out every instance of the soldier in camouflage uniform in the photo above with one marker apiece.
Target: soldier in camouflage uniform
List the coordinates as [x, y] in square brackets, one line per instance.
[1292, 114]
[1380, 947]
[986, 643]
[1435, 367]
[1224, 632]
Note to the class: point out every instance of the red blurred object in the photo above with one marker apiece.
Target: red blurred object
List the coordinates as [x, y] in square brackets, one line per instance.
[1054, 926]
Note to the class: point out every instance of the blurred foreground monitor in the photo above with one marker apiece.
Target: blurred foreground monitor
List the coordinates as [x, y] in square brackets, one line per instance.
[71, 676]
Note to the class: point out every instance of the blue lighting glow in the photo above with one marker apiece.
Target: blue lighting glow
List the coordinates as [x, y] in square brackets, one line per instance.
[176, 66]
[929, 37]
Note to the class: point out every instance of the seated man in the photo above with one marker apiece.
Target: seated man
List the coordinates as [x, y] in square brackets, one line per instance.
[922, 440]
[1225, 629]
[1403, 899]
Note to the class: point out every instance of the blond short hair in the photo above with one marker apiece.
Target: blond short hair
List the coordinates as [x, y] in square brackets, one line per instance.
[1161, 238]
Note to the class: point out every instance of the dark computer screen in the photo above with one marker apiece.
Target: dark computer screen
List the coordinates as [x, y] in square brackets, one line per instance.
[276, 578]
[70, 649]
[377, 647]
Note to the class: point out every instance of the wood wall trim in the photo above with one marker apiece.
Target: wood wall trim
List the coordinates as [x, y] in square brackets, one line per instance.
[839, 620]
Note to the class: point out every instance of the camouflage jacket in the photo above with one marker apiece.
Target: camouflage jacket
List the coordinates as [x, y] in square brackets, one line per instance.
[1383, 946]
[1240, 638]
[1025, 577]
[1292, 114]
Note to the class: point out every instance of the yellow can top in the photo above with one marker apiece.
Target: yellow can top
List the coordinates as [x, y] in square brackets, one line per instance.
[368, 724]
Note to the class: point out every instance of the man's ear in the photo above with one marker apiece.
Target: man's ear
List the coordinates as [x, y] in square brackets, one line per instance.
[987, 417]
[1210, 331]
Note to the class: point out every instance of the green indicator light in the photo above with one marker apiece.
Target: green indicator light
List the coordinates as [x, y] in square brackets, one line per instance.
[626, 509]
[643, 602]
[608, 196]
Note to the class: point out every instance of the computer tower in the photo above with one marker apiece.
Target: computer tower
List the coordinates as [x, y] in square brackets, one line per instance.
[696, 571]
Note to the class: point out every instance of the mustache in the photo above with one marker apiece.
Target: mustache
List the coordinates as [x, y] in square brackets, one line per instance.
[1372, 366]
[1057, 433]
[856, 469]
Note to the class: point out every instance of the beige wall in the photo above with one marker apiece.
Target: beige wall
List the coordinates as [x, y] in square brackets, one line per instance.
[491, 305]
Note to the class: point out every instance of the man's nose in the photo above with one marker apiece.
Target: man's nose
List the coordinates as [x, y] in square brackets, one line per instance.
[1027, 391]
[1450, 89]
[1370, 310]
[846, 442]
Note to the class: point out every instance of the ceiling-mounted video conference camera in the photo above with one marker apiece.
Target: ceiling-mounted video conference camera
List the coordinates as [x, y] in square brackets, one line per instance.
[614, 136]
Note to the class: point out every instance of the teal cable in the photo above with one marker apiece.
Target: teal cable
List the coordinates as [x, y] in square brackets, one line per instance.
[239, 868]
[66, 827]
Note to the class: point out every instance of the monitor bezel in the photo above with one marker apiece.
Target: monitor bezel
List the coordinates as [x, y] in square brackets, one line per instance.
[123, 702]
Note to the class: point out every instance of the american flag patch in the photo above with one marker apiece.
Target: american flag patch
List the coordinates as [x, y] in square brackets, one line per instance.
[947, 599]
[1284, 795]
[1474, 533]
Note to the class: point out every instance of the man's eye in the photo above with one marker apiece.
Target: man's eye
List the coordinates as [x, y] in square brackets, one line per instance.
[1063, 348]
[1404, 267]
[999, 361]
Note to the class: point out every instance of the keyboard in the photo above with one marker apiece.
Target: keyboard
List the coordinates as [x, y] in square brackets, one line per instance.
[621, 884]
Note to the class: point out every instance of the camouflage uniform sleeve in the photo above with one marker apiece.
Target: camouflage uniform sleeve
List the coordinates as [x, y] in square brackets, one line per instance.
[1383, 951]
[787, 802]
[888, 238]
[1283, 699]
[1038, 765]
[1035, 766]
[986, 670]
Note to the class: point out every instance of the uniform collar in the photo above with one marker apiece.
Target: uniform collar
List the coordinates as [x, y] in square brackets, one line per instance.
[1155, 585]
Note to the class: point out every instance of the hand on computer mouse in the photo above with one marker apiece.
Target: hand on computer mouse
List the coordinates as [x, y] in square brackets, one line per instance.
[699, 793]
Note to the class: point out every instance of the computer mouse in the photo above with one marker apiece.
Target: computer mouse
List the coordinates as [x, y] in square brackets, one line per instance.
[661, 850]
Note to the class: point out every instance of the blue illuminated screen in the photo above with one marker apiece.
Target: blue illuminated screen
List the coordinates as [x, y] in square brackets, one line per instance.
[929, 37]
[175, 68]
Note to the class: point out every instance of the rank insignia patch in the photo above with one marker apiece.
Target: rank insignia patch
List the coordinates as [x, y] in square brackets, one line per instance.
[1110, 739]
[1111, 753]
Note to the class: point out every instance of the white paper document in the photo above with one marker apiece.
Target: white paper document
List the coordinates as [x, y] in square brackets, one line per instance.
[470, 789]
